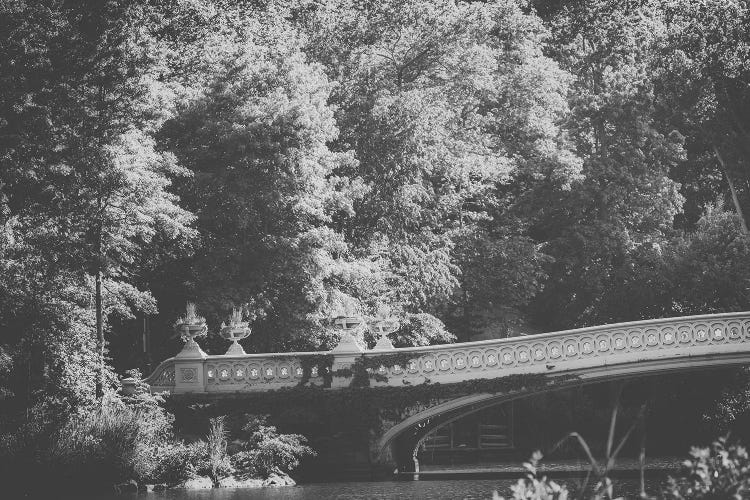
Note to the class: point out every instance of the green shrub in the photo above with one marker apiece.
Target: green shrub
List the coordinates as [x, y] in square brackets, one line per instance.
[721, 471]
[173, 462]
[98, 445]
[176, 462]
[108, 442]
[532, 486]
[265, 451]
[218, 461]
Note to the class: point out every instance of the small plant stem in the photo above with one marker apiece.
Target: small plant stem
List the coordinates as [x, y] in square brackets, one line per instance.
[586, 449]
[624, 439]
[642, 456]
[613, 420]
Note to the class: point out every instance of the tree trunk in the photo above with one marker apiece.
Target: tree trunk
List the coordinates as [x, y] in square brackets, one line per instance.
[735, 197]
[147, 342]
[99, 336]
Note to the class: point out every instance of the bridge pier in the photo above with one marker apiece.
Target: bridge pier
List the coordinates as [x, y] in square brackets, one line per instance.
[407, 461]
[189, 366]
[345, 354]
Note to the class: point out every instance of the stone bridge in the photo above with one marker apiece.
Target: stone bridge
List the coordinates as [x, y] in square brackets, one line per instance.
[564, 358]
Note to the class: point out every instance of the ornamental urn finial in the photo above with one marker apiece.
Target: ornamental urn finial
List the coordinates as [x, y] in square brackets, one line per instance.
[381, 326]
[348, 325]
[236, 330]
[190, 326]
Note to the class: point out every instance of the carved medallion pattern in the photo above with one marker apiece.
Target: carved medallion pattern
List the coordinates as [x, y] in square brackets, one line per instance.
[258, 372]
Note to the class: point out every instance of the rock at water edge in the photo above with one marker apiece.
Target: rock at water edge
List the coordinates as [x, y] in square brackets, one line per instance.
[235, 482]
[196, 483]
[279, 480]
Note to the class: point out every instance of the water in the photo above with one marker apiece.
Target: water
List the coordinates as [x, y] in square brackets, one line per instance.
[454, 489]
[382, 490]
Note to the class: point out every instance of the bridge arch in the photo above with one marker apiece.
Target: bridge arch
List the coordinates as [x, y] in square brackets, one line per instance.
[400, 443]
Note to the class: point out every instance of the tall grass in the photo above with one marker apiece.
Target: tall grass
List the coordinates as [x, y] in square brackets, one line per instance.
[536, 486]
[104, 444]
[216, 447]
[601, 470]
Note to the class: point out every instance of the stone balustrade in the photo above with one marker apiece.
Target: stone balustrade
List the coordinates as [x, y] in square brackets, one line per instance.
[249, 372]
[602, 347]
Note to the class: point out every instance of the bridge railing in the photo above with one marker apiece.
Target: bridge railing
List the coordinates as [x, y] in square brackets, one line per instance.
[194, 371]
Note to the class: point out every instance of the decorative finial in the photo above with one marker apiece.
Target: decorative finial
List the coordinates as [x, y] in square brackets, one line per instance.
[236, 330]
[190, 326]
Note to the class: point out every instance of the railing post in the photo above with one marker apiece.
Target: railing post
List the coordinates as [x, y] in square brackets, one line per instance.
[189, 367]
[344, 356]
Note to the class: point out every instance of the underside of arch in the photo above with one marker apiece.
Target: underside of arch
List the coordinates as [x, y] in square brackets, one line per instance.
[398, 446]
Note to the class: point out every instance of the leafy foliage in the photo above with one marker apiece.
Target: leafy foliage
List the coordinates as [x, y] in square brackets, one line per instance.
[175, 463]
[444, 105]
[100, 446]
[535, 486]
[264, 451]
[706, 63]
[216, 446]
[719, 471]
[421, 329]
[485, 168]
[84, 190]
[359, 409]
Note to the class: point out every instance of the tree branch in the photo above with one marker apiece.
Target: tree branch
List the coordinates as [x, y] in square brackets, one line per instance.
[735, 197]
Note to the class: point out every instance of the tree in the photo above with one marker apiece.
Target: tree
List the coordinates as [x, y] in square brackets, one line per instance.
[709, 271]
[79, 163]
[448, 107]
[626, 202]
[705, 70]
[254, 128]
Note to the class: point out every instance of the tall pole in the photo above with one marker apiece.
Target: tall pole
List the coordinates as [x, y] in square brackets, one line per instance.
[147, 341]
[99, 335]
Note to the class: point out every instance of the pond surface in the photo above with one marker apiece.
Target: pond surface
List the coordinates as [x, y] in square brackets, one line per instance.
[381, 490]
[460, 489]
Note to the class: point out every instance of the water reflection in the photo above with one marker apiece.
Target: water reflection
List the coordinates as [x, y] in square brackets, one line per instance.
[385, 490]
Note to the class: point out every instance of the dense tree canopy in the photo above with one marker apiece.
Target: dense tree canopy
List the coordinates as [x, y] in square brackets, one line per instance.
[480, 168]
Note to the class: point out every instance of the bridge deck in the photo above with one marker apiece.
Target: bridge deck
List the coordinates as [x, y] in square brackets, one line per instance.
[662, 344]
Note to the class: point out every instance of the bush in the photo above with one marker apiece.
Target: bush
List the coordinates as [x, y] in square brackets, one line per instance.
[130, 438]
[218, 461]
[111, 441]
[174, 463]
[96, 446]
[266, 452]
[535, 487]
[721, 471]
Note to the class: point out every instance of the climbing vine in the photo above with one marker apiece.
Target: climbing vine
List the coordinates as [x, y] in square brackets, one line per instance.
[359, 410]
[365, 367]
[324, 362]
